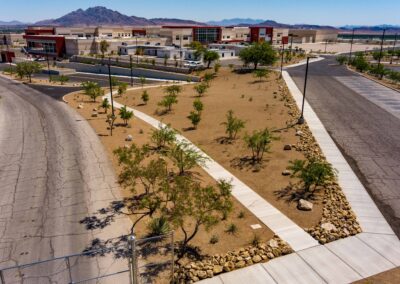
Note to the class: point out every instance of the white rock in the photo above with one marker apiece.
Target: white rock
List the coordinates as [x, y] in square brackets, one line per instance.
[328, 227]
[129, 138]
[94, 114]
[286, 173]
[299, 133]
[304, 205]
[80, 106]
[273, 243]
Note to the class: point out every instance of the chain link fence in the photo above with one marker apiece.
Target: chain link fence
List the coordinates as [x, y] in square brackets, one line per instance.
[138, 261]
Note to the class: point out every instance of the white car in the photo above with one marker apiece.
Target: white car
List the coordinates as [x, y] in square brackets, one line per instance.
[193, 64]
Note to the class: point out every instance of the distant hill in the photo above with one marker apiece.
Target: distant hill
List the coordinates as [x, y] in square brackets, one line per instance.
[101, 16]
[235, 22]
[12, 23]
[96, 16]
[371, 29]
[168, 21]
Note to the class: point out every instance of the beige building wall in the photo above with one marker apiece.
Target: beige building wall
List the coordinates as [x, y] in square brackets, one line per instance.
[326, 35]
[277, 35]
[235, 34]
[12, 39]
[76, 46]
[88, 32]
[115, 32]
[312, 36]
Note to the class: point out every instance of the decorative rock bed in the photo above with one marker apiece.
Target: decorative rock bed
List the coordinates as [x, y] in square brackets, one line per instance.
[220, 263]
[338, 220]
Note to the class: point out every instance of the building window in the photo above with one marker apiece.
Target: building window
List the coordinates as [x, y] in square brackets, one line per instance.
[177, 37]
[223, 54]
[232, 54]
[185, 37]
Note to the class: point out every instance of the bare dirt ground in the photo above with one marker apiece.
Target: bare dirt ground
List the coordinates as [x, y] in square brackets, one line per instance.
[388, 277]
[259, 104]
[140, 132]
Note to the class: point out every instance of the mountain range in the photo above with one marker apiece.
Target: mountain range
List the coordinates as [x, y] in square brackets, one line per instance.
[101, 16]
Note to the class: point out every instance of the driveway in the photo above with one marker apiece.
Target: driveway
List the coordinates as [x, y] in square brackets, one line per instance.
[53, 173]
[364, 124]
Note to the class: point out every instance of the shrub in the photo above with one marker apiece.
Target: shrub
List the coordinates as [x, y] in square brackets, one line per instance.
[125, 114]
[256, 240]
[198, 105]
[122, 87]
[233, 125]
[312, 173]
[232, 229]
[379, 70]
[259, 142]
[341, 59]
[201, 89]
[168, 101]
[195, 118]
[158, 227]
[92, 90]
[145, 97]
[360, 63]
[214, 239]
[217, 66]
[173, 90]
[241, 215]
[260, 74]
[163, 136]
[105, 104]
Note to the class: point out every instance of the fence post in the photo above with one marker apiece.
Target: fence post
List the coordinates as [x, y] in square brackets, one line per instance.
[2, 281]
[69, 269]
[133, 260]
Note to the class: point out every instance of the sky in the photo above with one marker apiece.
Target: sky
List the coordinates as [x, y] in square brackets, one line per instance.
[323, 12]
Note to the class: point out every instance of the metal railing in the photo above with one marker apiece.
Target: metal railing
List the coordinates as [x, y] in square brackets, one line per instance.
[141, 256]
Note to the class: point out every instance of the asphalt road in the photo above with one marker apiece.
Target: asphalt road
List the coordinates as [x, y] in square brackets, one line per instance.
[53, 173]
[367, 133]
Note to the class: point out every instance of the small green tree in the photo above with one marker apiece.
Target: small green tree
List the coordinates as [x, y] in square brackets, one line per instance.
[233, 125]
[258, 53]
[198, 105]
[199, 49]
[122, 87]
[168, 101]
[125, 114]
[195, 118]
[110, 121]
[105, 104]
[114, 81]
[260, 74]
[379, 70]
[210, 56]
[163, 137]
[312, 173]
[360, 63]
[92, 90]
[217, 66]
[341, 59]
[184, 157]
[201, 89]
[143, 81]
[145, 97]
[259, 143]
[27, 69]
[208, 77]
[173, 90]
[63, 79]
[104, 45]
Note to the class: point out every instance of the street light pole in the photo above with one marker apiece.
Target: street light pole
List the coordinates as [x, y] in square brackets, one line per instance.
[111, 90]
[394, 48]
[283, 51]
[380, 51]
[130, 65]
[351, 45]
[301, 119]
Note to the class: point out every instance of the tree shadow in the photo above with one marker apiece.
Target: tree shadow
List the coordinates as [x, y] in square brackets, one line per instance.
[187, 129]
[224, 140]
[247, 163]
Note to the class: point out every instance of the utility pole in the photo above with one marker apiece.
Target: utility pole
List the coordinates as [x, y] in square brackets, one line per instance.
[111, 90]
[394, 48]
[283, 51]
[131, 65]
[380, 51]
[351, 45]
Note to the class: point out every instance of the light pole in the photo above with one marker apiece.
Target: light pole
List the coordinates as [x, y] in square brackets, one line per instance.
[380, 51]
[394, 48]
[130, 65]
[137, 52]
[351, 45]
[111, 90]
[301, 118]
[283, 51]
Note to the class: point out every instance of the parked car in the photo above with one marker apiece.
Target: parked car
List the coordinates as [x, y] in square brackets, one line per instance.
[193, 64]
